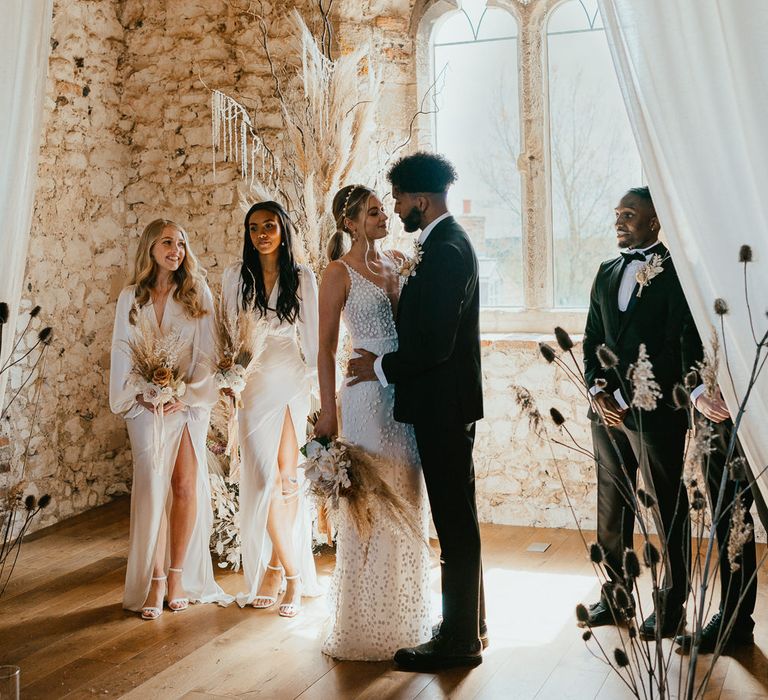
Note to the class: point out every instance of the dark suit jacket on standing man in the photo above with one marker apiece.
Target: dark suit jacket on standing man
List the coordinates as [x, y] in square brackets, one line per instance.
[660, 319]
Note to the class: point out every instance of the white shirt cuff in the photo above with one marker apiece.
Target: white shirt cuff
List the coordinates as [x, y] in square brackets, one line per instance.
[377, 368]
[620, 400]
[698, 391]
[595, 390]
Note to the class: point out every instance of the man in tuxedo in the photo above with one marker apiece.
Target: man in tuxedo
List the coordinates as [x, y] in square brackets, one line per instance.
[732, 625]
[437, 379]
[623, 314]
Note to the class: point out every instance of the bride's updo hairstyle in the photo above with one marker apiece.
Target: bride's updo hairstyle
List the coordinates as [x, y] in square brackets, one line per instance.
[347, 204]
[189, 278]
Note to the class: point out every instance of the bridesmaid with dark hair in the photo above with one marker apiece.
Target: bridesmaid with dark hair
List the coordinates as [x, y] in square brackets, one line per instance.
[274, 521]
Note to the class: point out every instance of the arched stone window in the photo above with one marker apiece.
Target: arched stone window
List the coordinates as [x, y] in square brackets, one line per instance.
[528, 108]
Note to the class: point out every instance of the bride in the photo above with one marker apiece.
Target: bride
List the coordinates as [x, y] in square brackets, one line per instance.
[380, 588]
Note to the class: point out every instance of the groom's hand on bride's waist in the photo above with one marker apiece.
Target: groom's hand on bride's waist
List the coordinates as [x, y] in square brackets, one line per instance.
[360, 368]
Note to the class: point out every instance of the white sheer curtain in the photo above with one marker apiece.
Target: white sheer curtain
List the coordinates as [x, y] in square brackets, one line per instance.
[25, 33]
[694, 74]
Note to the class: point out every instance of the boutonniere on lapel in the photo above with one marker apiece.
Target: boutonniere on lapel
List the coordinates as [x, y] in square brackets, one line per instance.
[652, 268]
[408, 266]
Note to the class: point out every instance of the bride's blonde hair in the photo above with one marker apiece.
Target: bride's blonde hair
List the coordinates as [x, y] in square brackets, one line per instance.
[348, 202]
[189, 278]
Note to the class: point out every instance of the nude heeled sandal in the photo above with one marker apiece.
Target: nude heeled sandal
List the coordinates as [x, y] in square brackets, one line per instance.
[150, 612]
[290, 609]
[262, 602]
[178, 604]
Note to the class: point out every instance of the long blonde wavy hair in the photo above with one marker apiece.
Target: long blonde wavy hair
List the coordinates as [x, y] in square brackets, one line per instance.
[189, 278]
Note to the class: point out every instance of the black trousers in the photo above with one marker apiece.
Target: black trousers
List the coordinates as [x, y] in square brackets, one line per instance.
[449, 474]
[620, 452]
[742, 581]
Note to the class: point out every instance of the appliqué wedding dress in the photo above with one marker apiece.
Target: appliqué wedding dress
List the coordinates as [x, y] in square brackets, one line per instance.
[379, 592]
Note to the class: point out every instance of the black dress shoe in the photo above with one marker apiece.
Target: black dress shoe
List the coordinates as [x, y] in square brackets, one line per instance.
[438, 653]
[602, 614]
[671, 625]
[740, 635]
[483, 633]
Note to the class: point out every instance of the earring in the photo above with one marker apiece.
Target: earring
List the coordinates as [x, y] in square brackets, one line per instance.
[282, 243]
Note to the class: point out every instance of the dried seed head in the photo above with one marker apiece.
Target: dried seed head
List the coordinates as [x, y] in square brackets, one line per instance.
[680, 396]
[582, 614]
[34, 312]
[737, 470]
[651, 555]
[745, 254]
[596, 553]
[631, 564]
[645, 498]
[557, 417]
[547, 352]
[697, 500]
[691, 379]
[621, 596]
[632, 631]
[30, 502]
[4, 312]
[620, 658]
[587, 635]
[563, 339]
[607, 357]
[45, 499]
[721, 307]
[46, 335]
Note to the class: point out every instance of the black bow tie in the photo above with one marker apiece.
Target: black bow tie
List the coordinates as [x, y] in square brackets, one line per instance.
[631, 255]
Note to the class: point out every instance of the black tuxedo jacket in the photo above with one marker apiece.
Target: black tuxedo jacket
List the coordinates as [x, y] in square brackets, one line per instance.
[660, 318]
[436, 368]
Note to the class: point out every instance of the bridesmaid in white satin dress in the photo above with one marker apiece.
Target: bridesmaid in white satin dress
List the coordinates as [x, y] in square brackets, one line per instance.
[171, 515]
[275, 526]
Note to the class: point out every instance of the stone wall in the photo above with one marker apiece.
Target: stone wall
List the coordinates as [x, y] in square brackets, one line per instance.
[75, 267]
[128, 139]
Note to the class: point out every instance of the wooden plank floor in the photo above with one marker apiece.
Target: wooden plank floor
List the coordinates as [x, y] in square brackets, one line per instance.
[61, 622]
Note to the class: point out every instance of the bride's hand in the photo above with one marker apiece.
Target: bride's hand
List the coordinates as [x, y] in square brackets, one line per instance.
[326, 426]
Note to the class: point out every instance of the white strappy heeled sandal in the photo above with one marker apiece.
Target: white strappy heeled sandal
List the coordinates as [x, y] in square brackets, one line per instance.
[291, 609]
[262, 602]
[150, 612]
[178, 604]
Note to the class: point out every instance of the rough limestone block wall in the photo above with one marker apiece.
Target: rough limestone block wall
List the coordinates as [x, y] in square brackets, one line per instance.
[517, 473]
[75, 266]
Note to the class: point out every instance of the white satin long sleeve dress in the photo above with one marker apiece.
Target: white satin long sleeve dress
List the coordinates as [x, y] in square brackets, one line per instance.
[151, 493]
[282, 380]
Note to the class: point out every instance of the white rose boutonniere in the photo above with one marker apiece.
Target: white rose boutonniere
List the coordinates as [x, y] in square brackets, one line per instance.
[408, 266]
[649, 270]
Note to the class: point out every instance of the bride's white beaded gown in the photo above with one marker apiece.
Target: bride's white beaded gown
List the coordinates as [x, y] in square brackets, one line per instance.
[379, 594]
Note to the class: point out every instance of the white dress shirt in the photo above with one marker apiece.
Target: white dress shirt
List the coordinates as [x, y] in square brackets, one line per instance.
[377, 368]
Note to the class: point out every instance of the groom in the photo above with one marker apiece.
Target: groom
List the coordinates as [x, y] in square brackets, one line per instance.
[437, 379]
